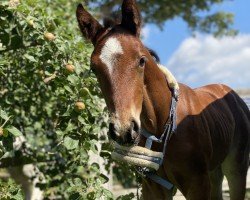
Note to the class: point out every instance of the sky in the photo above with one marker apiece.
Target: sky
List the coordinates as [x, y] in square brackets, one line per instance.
[203, 59]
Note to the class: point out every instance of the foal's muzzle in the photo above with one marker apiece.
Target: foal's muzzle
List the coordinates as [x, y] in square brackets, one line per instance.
[128, 136]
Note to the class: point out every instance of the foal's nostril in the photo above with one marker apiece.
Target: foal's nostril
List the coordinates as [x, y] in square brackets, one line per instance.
[136, 127]
[132, 133]
[112, 131]
[128, 137]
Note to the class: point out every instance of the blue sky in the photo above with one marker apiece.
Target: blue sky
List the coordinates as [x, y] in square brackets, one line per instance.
[175, 31]
[176, 37]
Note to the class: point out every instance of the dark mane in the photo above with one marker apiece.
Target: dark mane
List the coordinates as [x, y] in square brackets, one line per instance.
[154, 55]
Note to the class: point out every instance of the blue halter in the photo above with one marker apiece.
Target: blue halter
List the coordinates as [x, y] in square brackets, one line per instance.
[169, 129]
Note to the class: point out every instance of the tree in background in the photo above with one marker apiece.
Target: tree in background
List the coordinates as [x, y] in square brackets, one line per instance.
[194, 12]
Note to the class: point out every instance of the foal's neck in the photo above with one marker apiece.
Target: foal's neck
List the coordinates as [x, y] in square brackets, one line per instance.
[156, 102]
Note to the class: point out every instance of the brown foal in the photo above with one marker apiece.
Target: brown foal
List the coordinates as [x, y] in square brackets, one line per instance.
[213, 123]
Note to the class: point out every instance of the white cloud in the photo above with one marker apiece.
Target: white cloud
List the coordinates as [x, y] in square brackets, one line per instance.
[205, 59]
[145, 33]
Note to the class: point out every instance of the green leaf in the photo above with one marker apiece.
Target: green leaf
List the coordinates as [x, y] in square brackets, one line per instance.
[126, 197]
[14, 131]
[70, 127]
[69, 143]
[74, 196]
[67, 88]
[81, 120]
[30, 58]
[108, 194]
[3, 115]
[104, 178]
[95, 167]
[73, 79]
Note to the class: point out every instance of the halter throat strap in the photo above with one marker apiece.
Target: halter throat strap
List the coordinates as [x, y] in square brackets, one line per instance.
[169, 129]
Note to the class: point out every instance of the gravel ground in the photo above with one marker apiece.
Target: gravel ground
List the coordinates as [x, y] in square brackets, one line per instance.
[118, 190]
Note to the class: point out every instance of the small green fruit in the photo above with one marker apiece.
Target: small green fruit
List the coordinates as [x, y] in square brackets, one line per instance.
[84, 92]
[49, 36]
[41, 72]
[31, 22]
[70, 68]
[3, 132]
[79, 106]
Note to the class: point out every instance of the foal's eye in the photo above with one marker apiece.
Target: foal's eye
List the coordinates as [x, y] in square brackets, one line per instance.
[142, 62]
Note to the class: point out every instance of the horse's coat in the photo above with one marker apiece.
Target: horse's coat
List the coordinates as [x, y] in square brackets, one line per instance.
[213, 134]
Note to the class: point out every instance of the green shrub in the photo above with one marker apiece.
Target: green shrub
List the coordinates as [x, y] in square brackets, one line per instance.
[49, 95]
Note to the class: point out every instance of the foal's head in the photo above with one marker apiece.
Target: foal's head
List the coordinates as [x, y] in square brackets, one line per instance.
[118, 60]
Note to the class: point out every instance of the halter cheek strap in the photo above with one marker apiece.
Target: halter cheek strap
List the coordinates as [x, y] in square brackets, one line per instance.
[169, 129]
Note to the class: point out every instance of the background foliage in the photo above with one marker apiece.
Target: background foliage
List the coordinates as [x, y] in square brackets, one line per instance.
[48, 94]
[196, 13]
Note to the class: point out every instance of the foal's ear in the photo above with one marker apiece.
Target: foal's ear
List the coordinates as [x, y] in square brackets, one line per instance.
[131, 18]
[89, 26]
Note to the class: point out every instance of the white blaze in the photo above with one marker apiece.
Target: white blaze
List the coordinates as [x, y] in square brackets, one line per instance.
[109, 51]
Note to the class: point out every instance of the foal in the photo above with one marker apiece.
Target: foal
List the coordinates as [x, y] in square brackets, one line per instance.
[213, 128]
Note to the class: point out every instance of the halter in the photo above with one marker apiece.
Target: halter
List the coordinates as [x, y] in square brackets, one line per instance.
[169, 129]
